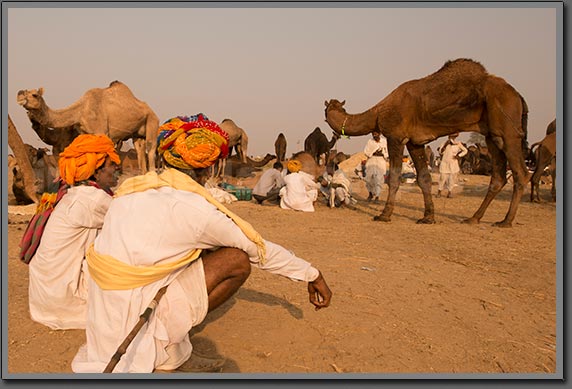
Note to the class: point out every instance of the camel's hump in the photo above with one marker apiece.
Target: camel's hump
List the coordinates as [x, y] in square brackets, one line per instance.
[464, 65]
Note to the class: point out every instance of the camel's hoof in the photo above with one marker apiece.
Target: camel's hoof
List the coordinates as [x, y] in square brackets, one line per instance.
[426, 220]
[502, 224]
[381, 218]
[471, 221]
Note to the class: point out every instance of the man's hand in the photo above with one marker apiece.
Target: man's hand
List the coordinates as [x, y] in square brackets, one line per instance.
[320, 293]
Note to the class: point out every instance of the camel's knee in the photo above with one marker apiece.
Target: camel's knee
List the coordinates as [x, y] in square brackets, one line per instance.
[496, 185]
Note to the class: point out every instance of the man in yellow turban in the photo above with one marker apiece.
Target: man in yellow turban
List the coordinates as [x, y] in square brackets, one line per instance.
[65, 225]
[164, 229]
[300, 190]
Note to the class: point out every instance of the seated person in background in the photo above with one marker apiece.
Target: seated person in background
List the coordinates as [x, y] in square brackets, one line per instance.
[335, 186]
[57, 271]
[300, 190]
[407, 169]
[269, 185]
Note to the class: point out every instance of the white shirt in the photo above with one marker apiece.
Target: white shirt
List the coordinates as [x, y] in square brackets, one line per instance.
[372, 146]
[450, 164]
[299, 193]
[58, 273]
[270, 179]
[158, 226]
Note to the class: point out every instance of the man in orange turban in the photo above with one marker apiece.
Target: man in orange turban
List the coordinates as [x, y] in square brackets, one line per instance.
[64, 226]
[84, 156]
[166, 230]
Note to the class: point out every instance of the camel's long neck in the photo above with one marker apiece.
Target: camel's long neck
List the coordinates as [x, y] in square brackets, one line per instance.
[353, 124]
[56, 118]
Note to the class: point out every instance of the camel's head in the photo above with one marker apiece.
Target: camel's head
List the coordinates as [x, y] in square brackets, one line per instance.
[334, 106]
[31, 99]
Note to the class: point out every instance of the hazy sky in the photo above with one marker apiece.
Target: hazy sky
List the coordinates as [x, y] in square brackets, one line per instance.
[271, 69]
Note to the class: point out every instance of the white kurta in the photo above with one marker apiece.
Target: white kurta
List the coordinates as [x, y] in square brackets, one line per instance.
[450, 164]
[342, 193]
[158, 226]
[375, 166]
[270, 179]
[58, 287]
[299, 193]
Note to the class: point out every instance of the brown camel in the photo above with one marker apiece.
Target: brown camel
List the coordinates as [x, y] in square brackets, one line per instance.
[113, 111]
[59, 138]
[237, 139]
[545, 156]
[461, 96]
[236, 168]
[44, 168]
[21, 153]
[316, 144]
[280, 147]
[309, 164]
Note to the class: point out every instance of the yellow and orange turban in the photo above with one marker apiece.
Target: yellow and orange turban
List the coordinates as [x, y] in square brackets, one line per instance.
[84, 156]
[191, 142]
[294, 166]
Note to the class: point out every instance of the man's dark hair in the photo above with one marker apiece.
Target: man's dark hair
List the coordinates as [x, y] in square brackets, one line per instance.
[278, 165]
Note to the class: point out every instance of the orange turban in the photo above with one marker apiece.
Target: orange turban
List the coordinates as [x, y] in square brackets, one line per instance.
[294, 166]
[84, 156]
[192, 142]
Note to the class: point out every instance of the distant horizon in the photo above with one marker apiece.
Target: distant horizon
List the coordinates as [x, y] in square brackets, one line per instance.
[271, 69]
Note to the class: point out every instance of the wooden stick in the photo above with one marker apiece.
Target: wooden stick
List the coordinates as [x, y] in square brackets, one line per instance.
[142, 320]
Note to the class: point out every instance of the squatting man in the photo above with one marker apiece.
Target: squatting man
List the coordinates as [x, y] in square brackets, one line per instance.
[166, 229]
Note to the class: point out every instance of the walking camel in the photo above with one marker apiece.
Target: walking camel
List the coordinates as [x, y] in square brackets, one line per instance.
[545, 155]
[461, 96]
[113, 111]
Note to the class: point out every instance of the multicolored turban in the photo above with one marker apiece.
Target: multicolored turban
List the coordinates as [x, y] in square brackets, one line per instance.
[294, 166]
[84, 156]
[192, 142]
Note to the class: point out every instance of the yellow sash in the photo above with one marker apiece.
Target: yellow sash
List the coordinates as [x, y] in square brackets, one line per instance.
[110, 273]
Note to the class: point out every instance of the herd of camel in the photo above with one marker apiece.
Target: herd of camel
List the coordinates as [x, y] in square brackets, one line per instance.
[459, 97]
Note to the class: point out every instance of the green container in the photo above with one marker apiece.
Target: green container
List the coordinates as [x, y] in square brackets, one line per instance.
[244, 194]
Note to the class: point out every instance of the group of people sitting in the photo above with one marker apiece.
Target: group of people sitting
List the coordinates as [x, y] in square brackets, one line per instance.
[297, 190]
[99, 258]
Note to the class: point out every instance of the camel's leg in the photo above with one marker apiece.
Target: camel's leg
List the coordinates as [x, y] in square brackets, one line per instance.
[553, 174]
[534, 183]
[543, 160]
[151, 154]
[423, 180]
[395, 149]
[498, 180]
[520, 177]
[151, 132]
[139, 144]
[221, 167]
[243, 148]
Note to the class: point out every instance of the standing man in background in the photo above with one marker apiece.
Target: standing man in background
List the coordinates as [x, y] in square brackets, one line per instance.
[450, 152]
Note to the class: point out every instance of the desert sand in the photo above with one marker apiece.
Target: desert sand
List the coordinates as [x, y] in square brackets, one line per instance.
[407, 298]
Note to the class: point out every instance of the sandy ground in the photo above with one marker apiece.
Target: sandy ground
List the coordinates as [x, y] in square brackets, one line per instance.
[408, 298]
